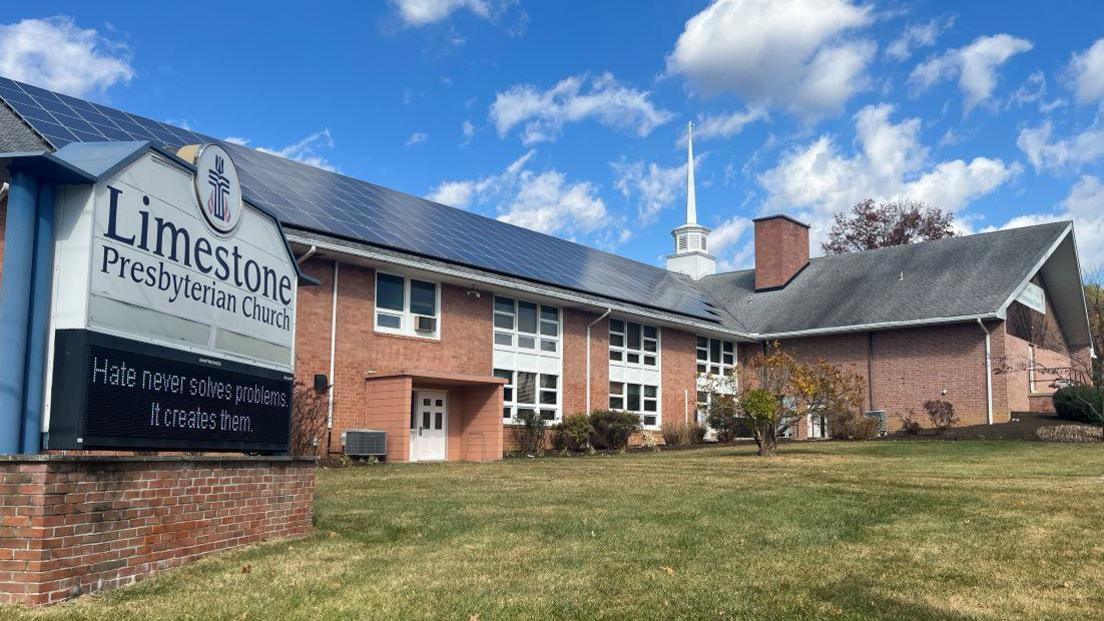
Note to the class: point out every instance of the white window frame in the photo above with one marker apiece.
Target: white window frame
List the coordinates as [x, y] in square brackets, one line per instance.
[510, 393]
[619, 354]
[718, 367]
[516, 335]
[406, 318]
[623, 395]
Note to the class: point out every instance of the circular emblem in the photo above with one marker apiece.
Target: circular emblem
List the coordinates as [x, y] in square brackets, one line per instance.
[217, 188]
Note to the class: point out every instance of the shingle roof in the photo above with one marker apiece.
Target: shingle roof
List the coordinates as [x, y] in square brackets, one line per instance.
[958, 277]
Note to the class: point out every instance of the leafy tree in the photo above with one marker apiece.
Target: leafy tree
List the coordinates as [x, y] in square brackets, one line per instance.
[1094, 296]
[868, 226]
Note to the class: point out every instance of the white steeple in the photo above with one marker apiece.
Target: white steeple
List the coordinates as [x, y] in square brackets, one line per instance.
[691, 198]
[691, 255]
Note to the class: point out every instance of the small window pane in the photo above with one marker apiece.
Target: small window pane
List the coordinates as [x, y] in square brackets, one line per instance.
[549, 328]
[505, 374]
[547, 345]
[726, 359]
[649, 332]
[633, 397]
[550, 313]
[389, 321]
[701, 368]
[617, 340]
[389, 292]
[423, 298]
[633, 358]
[548, 397]
[549, 381]
[650, 361]
[425, 420]
[527, 317]
[617, 403]
[437, 420]
[504, 305]
[522, 411]
[650, 391]
[650, 420]
[506, 322]
[548, 414]
[503, 338]
[649, 405]
[634, 336]
[527, 342]
[650, 345]
[508, 395]
[616, 388]
[703, 342]
[714, 350]
[616, 325]
[728, 347]
[526, 387]
[506, 412]
[615, 355]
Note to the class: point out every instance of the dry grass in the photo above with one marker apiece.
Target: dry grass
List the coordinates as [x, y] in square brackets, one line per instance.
[910, 530]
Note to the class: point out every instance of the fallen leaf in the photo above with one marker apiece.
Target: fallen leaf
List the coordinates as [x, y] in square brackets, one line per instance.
[670, 570]
[247, 569]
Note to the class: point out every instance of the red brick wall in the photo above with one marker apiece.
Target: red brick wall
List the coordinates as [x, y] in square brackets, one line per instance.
[480, 415]
[781, 251]
[679, 376]
[73, 526]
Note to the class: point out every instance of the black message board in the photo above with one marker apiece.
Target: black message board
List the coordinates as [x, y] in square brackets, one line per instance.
[115, 393]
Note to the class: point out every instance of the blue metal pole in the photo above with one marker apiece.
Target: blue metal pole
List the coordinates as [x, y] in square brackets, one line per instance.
[37, 337]
[15, 297]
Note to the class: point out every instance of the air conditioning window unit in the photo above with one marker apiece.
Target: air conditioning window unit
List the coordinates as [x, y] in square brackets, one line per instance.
[425, 323]
[365, 443]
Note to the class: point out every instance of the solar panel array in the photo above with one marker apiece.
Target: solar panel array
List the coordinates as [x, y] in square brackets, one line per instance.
[306, 197]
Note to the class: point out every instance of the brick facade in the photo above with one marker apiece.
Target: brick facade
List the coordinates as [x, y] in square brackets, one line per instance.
[78, 525]
[781, 251]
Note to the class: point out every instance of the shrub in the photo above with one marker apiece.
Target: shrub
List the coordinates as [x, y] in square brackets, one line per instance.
[675, 433]
[1079, 403]
[529, 433]
[942, 415]
[649, 440]
[573, 434]
[612, 429]
[309, 410]
[727, 422]
[853, 426]
[697, 433]
[909, 423]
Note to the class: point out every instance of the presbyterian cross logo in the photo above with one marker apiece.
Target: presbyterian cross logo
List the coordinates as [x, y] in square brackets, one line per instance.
[217, 188]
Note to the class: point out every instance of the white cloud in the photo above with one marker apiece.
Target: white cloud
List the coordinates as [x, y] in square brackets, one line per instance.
[417, 138]
[1033, 90]
[816, 181]
[305, 151]
[975, 66]
[777, 53]
[422, 12]
[1083, 206]
[655, 187]
[916, 36]
[544, 201]
[56, 54]
[723, 240]
[610, 102]
[1087, 72]
[726, 125]
[1075, 151]
[467, 129]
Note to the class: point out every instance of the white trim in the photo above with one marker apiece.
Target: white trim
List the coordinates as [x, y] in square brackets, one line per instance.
[406, 317]
[988, 372]
[548, 291]
[1034, 270]
[884, 325]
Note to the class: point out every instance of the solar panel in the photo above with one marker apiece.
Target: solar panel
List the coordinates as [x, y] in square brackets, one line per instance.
[310, 198]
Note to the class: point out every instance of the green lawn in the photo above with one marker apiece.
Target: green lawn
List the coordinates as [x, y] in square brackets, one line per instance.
[905, 530]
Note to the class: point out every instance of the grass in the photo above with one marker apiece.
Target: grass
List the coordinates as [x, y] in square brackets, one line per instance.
[909, 530]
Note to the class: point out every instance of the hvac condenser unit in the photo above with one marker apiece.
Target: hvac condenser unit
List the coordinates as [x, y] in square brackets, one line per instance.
[365, 443]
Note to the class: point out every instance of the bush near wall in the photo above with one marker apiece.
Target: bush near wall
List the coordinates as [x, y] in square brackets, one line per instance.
[612, 429]
[1079, 403]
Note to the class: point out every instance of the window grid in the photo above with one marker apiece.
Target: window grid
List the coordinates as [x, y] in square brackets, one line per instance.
[528, 391]
[716, 356]
[399, 300]
[526, 326]
[641, 399]
[633, 344]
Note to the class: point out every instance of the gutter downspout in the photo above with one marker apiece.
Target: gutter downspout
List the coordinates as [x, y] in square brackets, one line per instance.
[988, 372]
[306, 255]
[333, 351]
[589, 326]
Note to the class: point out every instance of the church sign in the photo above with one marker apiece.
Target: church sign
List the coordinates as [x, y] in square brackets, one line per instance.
[174, 312]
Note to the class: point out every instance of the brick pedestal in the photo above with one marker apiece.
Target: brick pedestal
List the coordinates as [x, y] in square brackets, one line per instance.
[78, 524]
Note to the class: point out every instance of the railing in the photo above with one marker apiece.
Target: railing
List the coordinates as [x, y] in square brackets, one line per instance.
[1057, 377]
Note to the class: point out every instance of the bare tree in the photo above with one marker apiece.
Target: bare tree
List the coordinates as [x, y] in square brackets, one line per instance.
[1094, 297]
[868, 226]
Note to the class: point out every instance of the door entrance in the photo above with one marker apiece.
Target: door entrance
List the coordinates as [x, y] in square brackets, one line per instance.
[429, 426]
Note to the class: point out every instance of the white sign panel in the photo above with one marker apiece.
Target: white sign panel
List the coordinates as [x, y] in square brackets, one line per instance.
[181, 259]
[1033, 297]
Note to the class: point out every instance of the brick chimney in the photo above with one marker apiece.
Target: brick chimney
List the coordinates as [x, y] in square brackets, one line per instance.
[781, 250]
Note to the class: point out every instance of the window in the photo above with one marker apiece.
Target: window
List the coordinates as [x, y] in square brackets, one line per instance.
[529, 392]
[642, 399]
[407, 306]
[526, 326]
[716, 357]
[633, 343]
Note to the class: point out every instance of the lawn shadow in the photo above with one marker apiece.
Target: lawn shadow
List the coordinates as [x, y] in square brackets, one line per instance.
[854, 597]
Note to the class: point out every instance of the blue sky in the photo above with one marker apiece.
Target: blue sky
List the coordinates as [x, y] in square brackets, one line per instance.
[570, 117]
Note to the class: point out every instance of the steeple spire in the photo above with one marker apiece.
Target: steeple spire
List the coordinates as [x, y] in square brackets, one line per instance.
[691, 197]
[691, 255]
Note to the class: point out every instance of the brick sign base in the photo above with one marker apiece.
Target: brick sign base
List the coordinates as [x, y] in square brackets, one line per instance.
[79, 524]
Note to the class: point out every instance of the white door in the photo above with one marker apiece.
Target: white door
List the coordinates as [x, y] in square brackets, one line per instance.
[429, 426]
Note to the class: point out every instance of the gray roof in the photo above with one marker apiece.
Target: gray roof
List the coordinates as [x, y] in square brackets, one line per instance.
[960, 277]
